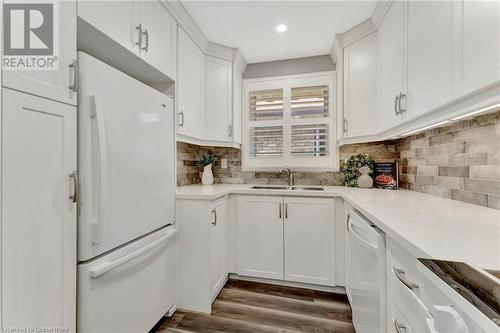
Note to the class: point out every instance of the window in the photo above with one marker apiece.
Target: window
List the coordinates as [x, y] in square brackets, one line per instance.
[288, 122]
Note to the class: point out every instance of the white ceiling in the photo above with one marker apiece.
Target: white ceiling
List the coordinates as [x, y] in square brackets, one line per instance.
[250, 25]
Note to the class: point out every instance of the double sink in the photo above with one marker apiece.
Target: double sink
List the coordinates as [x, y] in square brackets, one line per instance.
[293, 188]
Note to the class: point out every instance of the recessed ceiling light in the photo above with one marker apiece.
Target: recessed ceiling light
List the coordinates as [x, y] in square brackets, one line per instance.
[281, 28]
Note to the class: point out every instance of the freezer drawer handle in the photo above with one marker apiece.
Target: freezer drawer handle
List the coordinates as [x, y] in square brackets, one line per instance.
[400, 274]
[110, 265]
[400, 327]
[74, 197]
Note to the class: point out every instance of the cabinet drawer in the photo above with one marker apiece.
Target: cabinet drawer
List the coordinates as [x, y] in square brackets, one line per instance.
[401, 317]
[402, 271]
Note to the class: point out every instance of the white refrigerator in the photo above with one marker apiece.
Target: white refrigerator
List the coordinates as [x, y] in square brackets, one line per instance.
[126, 230]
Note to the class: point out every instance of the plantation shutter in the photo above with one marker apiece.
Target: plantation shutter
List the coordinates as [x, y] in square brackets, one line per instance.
[289, 123]
[265, 106]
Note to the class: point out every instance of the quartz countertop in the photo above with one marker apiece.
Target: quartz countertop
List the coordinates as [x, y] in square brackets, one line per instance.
[427, 226]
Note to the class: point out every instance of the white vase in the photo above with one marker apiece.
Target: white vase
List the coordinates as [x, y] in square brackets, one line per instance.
[365, 181]
[207, 178]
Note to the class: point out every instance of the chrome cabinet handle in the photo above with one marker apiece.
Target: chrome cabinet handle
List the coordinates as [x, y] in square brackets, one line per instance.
[396, 105]
[400, 274]
[139, 35]
[345, 125]
[230, 131]
[399, 326]
[146, 48]
[214, 222]
[279, 214]
[286, 210]
[74, 66]
[181, 124]
[74, 197]
[401, 99]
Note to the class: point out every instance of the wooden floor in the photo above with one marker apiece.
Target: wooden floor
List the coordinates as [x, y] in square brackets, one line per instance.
[249, 307]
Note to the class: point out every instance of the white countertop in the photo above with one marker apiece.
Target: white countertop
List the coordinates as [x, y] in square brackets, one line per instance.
[428, 226]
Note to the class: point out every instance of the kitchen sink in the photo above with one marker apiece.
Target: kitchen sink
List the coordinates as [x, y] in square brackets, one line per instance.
[269, 187]
[307, 188]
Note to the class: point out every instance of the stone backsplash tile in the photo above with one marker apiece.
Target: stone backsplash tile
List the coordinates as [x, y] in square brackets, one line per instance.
[188, 174]
[465, 154]
[460, 161]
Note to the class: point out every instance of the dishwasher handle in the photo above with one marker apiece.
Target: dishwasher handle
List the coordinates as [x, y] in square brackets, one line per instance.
[352, 224]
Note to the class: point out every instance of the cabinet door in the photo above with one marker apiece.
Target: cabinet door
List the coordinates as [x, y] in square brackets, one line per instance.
[53, 84]
[429, 56]
[237, 104]
[310, 240]
[159, 38]
[218, 246]
[260, 236]
[116, 19]
[360, 87]
[38, 216]
[476, 50]
[218, 91]
[190, 86]
[390, 35]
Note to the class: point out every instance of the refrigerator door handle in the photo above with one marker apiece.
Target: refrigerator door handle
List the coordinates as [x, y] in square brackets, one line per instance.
[110, 265]
[102, 167]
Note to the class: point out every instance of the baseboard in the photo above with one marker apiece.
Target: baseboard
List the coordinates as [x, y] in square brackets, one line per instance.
[337, 289]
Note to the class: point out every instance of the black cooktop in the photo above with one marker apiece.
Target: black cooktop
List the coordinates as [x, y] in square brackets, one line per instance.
[481, 291]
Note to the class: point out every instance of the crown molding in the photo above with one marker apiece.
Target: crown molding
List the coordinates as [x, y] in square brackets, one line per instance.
[361, 30]
[239, 60]
[380, 11]
[188, 24]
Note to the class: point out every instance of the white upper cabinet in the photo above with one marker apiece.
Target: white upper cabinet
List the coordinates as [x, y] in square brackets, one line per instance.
[391, 65]
[38, 237]
[218, 99]
[237, 104]
[143, 27]
[476, 45]
[58, 84]
[189, 86]
[360, 82]
[159, 37]
[119, 20]
[309, 240]
[429, 56]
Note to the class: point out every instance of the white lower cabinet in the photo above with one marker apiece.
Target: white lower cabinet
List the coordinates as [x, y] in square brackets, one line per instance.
[260, 236]
[309, 235]
[202, 247]
[38, 237]
[287, 238]
[218, 250]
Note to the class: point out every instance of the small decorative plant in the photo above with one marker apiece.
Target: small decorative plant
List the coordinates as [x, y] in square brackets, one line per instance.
[350, 169]
[206, 160]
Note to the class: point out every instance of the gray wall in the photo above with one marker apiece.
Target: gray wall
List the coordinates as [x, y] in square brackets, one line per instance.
[289, 66]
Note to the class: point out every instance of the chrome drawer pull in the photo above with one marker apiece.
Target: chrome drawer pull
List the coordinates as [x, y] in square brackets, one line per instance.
[399, 326]
[400, 274]
[214, 211]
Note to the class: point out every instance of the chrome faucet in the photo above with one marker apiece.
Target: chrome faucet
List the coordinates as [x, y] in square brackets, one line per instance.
[289, 173]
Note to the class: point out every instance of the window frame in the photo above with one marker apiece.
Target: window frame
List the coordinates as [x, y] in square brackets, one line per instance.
[315, 164]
